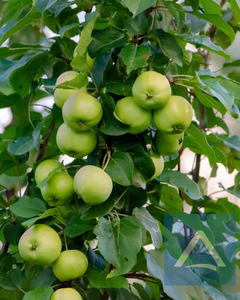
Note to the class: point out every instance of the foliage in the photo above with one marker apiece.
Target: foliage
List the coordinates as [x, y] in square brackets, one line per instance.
[125, 38]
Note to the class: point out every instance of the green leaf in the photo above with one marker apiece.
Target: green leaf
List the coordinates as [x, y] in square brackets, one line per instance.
[191, 284]
[99, 210]
[39, 294]
[98, 280]
[120, 168]
[12, 233]
[13, 25]
[48, 213]
[124, 294]
[109, 124]
[214, 293]
[27, 207]
[150, 225]
[106, 39]
[11, 280]
[218, 21]
[24, 144]
[12, 9]
[169, 46]
[182, 181]
[135, 57]
[99, 67]
[203, 42]
[170, 197]
[235, 5]
[42, 5]
[196, 141]
[76, 226]
[8, 101]
[142, 161]
[124, 238]
[79, 61]
[137, 6]
[209, 101]
[211, 7]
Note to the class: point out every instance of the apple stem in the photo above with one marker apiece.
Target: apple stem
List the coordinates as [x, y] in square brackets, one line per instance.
[108, 159]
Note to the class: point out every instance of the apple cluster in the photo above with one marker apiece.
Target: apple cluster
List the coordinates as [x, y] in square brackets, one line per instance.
[153, 103]
[41, 245]
[81, 112]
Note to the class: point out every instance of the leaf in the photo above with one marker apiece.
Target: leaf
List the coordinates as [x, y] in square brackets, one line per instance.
[135, 57]
[106, 39]
[27, 207]
[13, 25]
[42, 5]
[218, 21]
[235, 5]
[79, 61]
[120, 168]
[119, 241]
[142, 161]
[214, 293]
[169, 46]
[24, 144]
[150, 225]
[124, 294]
[170, 197]
[48, 213]
[182, 181]
[203, 42]
[75, 226]
[137, 6]
[109, 124]
[95, 260]
[39, 294]
[99, 210]
[98, 280]
[196, 141]
[11, 280]
[99, 67]
[189, 285]
[211, 7]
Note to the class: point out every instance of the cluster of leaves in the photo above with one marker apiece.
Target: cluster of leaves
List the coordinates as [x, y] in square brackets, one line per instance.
[125, 38]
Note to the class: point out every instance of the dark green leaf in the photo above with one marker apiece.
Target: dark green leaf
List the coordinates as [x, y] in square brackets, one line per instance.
[120, 168]
[98, 280]
[39, 294]
[99, 67]
[12, 233]
[124, 294]
[106, 39]
[135, 57]
[43, 5]
[211, 7]
[28, 207]
[182, 181]
[169, 46]
[109, 124]
[196, 141]
[95, 260]
[99, 210]
[202, 41]
[76, 226]
[137, 6]
[124, 238]
[150, 225]
[11, 280]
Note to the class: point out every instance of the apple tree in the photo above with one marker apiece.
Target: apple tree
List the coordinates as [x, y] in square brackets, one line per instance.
[109, 100]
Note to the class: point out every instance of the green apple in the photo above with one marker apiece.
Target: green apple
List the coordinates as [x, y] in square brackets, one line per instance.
[58, 190]
[129, 112]
[44, 168]
[159, 165]
[93, 184]
[40, 245]
[151, 90]
[65, 294]
[70, 264]
[75, 144]
[82, 111]
[61, 94]
[174, 117]
[168, 144]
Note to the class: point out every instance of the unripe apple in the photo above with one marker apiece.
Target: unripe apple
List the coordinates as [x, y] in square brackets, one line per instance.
[129, 112]
[44, 168]
[58, 190]
[168, 144]
[70, 264]
[174, 117]
[82, 111]
[61, 95]
[75, 144]
[158, 163]
[93, 184]
[66, 294]
[151, 90]
[40, 245]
